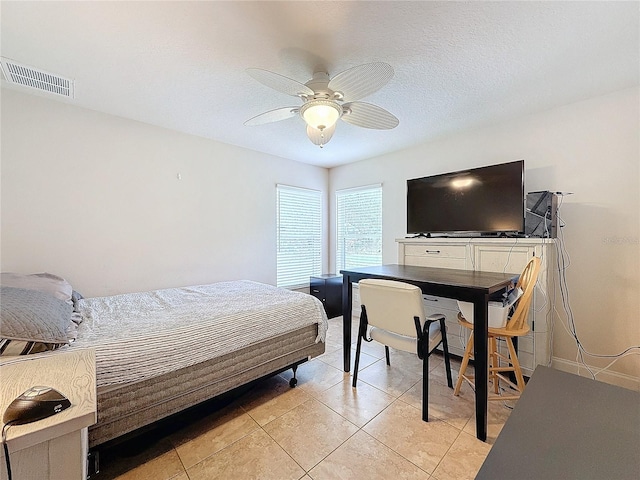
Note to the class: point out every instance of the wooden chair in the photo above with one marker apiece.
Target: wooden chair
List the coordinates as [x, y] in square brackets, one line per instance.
[393, 315]
[516, 326]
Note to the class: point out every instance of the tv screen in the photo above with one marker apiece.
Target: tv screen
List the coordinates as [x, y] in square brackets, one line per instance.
[479, 200]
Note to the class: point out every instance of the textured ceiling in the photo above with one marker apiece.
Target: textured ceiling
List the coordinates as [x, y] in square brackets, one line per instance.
[458, 65]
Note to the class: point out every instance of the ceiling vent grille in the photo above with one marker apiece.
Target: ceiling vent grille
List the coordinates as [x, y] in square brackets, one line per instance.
[34, 78]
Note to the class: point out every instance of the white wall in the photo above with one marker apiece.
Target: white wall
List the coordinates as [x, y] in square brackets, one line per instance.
[591, 148]
[96, 198]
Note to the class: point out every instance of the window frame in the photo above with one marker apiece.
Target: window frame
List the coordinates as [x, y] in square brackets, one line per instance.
[341, 260]
[288, 229]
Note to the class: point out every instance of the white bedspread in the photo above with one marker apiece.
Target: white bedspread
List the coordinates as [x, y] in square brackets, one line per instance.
[143, 335]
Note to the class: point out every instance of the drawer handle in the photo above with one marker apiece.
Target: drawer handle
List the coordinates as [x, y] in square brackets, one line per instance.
[430, 299]
[315, 291]
[433, 251]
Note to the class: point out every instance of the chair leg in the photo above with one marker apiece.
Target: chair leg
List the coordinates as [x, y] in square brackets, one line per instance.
[516, 364]
[357, 362]
[463, 366]
[386, 352]
[493, 354]
[425, 387]
[445, 349]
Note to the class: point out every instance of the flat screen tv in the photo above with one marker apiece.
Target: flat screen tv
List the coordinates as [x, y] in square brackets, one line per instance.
[485, 200]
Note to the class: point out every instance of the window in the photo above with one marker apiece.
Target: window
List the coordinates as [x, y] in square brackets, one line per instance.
[359, 227]
[299, 230]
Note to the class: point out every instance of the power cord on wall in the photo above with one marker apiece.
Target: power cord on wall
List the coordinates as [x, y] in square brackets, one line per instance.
[506, 264]
[563, 262]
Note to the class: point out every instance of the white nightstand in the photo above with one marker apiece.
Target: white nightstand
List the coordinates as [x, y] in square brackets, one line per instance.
[56, 447]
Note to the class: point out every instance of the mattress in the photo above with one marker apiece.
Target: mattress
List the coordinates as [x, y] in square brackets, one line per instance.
[160, 352]
[142, 336]
[124, 408]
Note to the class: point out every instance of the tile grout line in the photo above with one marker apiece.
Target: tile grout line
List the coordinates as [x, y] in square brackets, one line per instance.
[396, 399]
[315, 396]
[407, 459]
[282, 448]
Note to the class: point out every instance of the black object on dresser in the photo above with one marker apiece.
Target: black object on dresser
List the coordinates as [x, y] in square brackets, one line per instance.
[328, 289]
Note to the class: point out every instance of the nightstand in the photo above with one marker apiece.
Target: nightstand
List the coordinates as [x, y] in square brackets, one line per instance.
[55, 447]
[328, 289]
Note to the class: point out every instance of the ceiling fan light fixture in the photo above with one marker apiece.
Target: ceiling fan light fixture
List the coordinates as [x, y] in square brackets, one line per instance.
[321, 114]
[324, 100]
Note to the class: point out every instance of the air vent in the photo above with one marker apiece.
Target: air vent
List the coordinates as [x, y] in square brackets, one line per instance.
[34, 78]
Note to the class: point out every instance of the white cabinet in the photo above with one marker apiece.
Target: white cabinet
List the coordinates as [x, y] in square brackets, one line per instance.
[56, 447]
[457, 335]
[507, 255]
[355, 302]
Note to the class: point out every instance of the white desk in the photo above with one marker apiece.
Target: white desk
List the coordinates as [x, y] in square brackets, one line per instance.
[56, 447]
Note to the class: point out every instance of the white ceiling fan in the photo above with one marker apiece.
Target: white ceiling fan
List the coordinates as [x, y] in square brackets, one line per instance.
[326, 100]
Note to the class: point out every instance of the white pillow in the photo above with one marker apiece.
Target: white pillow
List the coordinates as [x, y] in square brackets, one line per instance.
[44, 282]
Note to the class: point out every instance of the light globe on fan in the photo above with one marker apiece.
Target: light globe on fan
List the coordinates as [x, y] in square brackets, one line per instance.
[327, 100]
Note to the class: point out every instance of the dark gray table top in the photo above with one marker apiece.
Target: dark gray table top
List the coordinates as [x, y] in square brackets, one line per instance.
[568, 427]
[450, 277]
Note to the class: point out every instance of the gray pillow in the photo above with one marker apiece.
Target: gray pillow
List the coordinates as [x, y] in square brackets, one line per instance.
[33, 316]
[45, 282]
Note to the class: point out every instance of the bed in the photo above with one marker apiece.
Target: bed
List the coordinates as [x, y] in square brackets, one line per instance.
[160, 352]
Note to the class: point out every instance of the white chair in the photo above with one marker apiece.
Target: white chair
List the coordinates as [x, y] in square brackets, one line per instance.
[393, 315]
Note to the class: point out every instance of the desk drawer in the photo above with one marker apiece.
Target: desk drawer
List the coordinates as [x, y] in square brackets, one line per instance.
[436, 262]
[435, 303]
[438, 256]
[436, 251]
[456, 335]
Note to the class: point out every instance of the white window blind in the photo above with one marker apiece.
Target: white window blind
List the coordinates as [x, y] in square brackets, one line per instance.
[299, 230]
[359, 227]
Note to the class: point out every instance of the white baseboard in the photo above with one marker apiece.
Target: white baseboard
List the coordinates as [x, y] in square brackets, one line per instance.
[613, 378]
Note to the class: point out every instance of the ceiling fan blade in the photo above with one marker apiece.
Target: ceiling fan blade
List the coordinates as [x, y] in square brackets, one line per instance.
[280, 82]
[320, 137]
[366, 115]
[358, 82]
[273, 116]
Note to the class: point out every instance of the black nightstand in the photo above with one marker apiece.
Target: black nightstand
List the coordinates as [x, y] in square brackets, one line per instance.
[328, 289]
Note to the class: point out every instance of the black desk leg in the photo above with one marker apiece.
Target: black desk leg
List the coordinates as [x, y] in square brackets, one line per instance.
[346, 320]
[480, 354]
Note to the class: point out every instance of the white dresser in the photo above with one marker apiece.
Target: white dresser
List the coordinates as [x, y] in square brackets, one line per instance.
[508, 255]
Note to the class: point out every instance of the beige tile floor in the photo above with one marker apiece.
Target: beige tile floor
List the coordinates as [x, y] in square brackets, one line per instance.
[323, 429]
